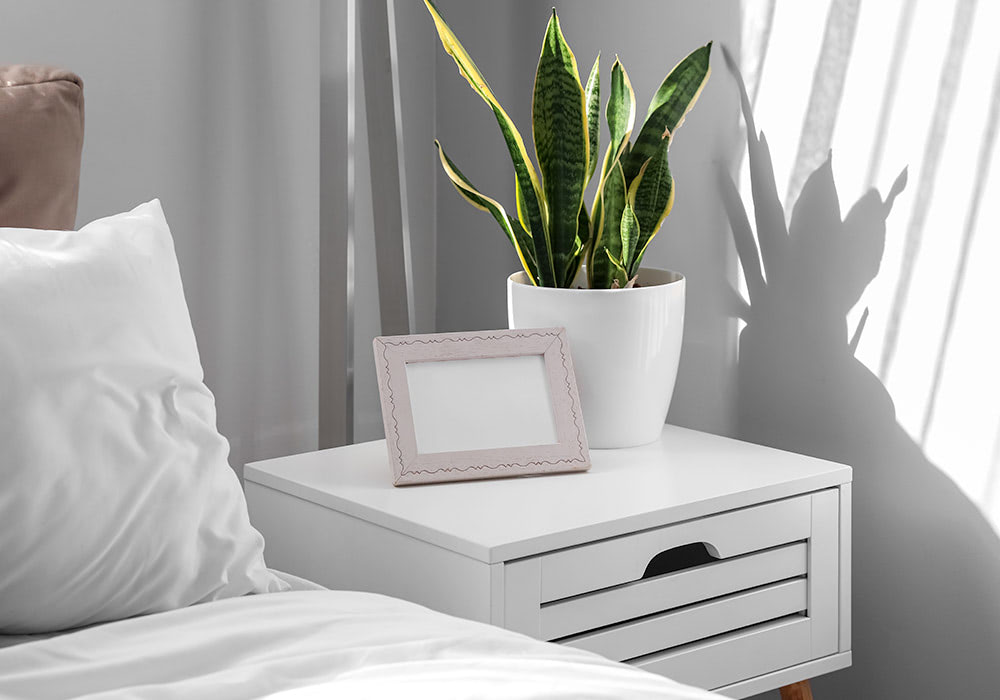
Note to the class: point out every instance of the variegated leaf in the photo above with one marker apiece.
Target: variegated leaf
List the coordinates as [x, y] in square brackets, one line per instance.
[574, 264]
[630, 236]
[619, 276]
[593, 94]
[534, 199]
[620, 113]
[522, 214]
[608, 239]
[526, 248]
[519, 239]
[673, 100]
[651, 196]
[559, 124]
[580, 250]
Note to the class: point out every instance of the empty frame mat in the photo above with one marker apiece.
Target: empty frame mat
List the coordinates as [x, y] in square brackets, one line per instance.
[489, 403]
[477, 405]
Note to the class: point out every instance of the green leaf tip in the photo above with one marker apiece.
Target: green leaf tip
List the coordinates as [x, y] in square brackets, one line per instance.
[562, 145]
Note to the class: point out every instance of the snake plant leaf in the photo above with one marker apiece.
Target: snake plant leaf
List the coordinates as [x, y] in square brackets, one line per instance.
[534, 200]
[559, 126]
[593, 94]
[619, 278]
[651, 196]
[581, 248]
[526, 247]
[664, 183]
[521, 207]
[596, 216]
[583, 227]
[466, 66]
[620, 113]
[673, 100]
[574, 265]
[521, 243]
[608, 237]
[694, 64]
[630, 237]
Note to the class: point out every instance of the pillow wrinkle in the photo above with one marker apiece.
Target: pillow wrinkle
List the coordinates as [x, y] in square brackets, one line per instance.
[118, 497]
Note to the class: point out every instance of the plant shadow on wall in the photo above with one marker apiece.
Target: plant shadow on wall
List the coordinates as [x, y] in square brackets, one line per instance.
[926, 563]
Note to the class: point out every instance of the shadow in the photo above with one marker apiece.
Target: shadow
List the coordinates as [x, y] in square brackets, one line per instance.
[926, 563]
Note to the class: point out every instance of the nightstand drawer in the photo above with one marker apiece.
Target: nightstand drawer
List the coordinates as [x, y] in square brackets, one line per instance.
[737, 656]
[684, 594]
[693, 623]
[621, 560]
[571, 616]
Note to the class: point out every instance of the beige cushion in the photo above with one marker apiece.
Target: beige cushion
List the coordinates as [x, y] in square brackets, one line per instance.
[41, 138]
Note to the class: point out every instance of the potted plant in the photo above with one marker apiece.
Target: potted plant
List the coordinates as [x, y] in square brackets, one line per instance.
[582, 267]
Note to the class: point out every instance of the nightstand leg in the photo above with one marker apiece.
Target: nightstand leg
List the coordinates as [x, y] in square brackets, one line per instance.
[797, 691]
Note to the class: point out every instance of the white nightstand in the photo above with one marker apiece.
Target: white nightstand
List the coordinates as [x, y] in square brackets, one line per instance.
[576, 558]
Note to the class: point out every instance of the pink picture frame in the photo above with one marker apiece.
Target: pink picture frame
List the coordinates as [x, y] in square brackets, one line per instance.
[567, 452]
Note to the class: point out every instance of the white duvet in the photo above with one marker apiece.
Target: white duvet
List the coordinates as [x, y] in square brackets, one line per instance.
[314, 644]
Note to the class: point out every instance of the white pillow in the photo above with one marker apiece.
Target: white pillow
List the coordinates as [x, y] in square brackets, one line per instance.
[116, 498]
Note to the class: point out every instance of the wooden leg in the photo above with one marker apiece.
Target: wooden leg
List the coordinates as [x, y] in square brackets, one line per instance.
[797, 691]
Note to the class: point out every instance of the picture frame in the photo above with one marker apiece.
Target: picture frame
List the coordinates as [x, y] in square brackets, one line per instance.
[480, 405]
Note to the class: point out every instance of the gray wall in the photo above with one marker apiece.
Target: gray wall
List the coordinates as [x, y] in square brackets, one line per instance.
[473, 257]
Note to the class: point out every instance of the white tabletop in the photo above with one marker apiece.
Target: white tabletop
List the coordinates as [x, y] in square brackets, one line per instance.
[685, 474]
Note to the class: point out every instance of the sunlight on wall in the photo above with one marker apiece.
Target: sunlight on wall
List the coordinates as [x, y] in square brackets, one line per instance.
[940, 357]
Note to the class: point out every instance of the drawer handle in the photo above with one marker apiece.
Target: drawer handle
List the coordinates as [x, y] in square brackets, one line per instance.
[685, 556]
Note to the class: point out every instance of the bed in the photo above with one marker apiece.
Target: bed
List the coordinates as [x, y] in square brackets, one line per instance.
[313, 643]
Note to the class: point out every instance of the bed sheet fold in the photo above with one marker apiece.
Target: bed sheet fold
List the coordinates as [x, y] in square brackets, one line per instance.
[314, 644]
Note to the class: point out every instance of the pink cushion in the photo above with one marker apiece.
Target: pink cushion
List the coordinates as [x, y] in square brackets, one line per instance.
[41, 138]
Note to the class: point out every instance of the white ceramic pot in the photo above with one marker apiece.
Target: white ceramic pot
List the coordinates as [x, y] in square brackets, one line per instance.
[626, 344]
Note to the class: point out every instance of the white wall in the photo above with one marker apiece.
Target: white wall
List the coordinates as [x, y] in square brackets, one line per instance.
[213, 108]
[650, 36]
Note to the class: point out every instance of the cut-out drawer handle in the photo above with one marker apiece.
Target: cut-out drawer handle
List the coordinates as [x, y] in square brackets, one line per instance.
[617, 560]
[685, 556]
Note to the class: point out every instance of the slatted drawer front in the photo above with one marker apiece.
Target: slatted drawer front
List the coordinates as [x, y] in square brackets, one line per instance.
[630, 640]
[735, 657]
[759, 594]
[646, 596]
[620, 560]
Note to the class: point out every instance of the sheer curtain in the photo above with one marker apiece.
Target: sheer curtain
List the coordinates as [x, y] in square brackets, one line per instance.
[889, 84]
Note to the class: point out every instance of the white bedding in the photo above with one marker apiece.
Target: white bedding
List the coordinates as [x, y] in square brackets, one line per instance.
[295, 583]
[314, 644]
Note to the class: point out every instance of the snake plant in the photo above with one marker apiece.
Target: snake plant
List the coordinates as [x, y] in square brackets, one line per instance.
[554, 231]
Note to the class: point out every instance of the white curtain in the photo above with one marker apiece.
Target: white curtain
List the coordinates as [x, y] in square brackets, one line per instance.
[889, 84]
